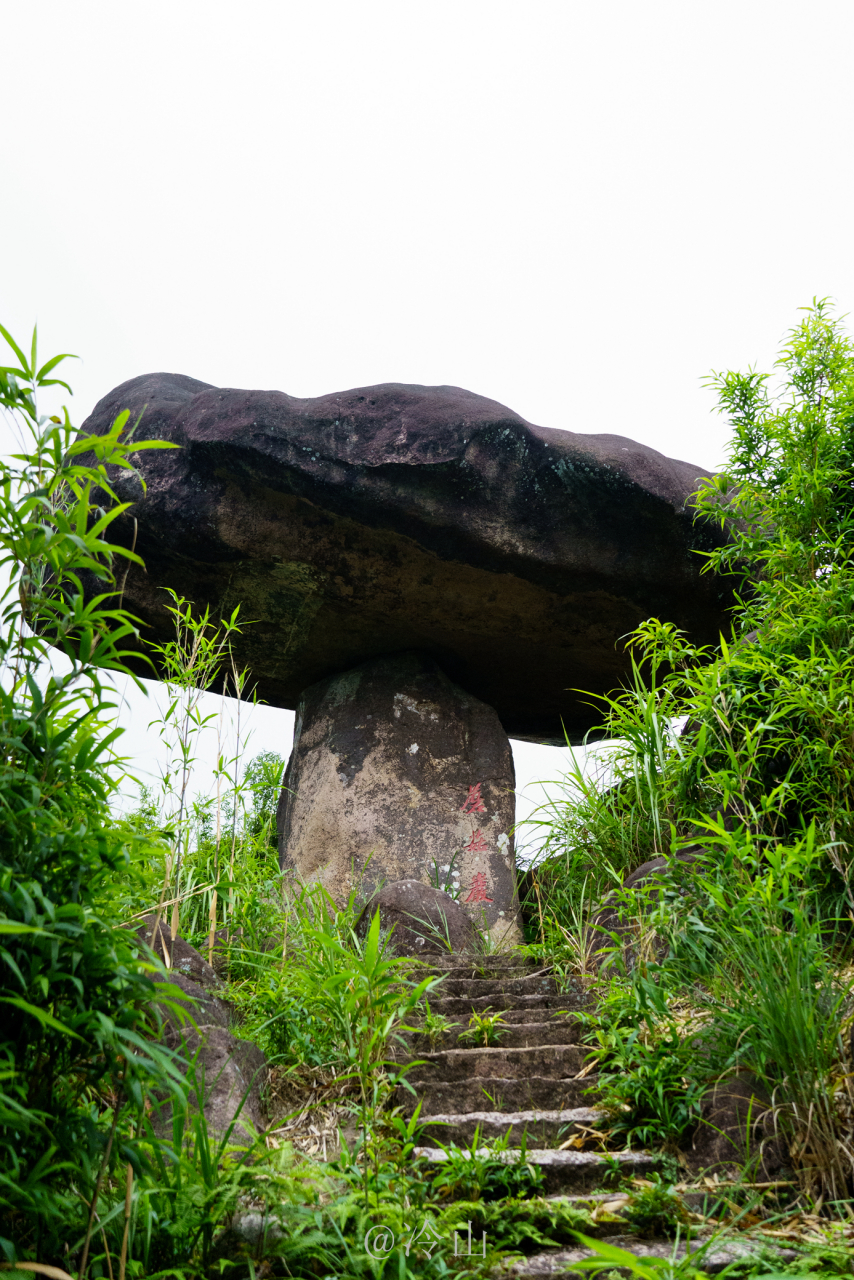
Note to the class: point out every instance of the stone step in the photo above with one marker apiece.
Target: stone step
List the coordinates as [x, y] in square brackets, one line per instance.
[457, 966]
[498, 1093]
[563, 1170]
[535, 1128]
[711, 1255]
[518, 1035]
[554, 1060]
[531, 1011]
[454, 1006]
[568, 1015]
[539, 983]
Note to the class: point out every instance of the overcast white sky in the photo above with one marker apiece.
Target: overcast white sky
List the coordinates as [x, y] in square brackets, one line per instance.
[577, 209]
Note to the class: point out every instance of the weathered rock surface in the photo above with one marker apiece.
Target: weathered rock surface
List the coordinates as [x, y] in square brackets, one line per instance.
[228, 1078]
[199, 1003]
[397, 774]
[615, 924]
[424, 920]
[227, 1074]
[736, 1129]
[394, 518]
[178, 954]
[191, 974]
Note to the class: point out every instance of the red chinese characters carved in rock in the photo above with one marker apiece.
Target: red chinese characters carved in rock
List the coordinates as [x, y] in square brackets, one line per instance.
[473, 802]
[478, 889]
[477, 844]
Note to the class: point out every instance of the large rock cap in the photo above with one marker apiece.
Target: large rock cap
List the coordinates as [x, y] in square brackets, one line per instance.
[399, 518]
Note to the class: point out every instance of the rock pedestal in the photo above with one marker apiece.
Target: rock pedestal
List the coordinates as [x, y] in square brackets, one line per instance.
[398, 774]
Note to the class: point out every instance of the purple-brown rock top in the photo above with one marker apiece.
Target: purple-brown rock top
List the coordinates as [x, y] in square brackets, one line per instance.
[400, 518]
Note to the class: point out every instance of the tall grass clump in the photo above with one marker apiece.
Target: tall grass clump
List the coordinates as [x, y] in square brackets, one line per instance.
[609, 812]
[764, 964]
[214, 878]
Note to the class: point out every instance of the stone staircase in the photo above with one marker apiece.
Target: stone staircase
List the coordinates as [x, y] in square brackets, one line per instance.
[530, 1085]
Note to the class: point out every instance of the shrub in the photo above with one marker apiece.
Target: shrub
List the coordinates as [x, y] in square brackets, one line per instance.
[760, 775]
[73, 992]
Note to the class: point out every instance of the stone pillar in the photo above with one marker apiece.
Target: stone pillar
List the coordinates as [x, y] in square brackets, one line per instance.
[398, 774]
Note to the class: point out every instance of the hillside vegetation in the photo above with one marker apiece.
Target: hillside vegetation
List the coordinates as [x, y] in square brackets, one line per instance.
[734, 960]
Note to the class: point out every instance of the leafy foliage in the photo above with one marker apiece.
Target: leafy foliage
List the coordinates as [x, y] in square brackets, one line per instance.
[649, 1081]
[485, 1027]
[478, 1172]
[745, 752]
[656, 1209]
[515, 1224]
[74, 994]
[435, 1025]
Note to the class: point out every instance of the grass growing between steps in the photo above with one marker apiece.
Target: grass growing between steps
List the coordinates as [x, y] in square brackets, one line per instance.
[752, 982]
[476, 1172]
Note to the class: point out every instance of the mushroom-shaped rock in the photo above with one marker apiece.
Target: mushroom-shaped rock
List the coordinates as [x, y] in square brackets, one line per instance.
[404, 518]
[424, 572]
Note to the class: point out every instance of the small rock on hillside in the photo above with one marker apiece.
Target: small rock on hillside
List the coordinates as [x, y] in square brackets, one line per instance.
[227, 1078]
[424, 920]
[227, 1075]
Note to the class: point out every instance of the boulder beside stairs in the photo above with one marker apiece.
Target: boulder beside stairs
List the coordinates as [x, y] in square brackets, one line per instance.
[421, 920]
[227, 1074]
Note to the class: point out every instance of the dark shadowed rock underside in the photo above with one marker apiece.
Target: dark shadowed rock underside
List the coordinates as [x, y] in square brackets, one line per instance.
[405, 518]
